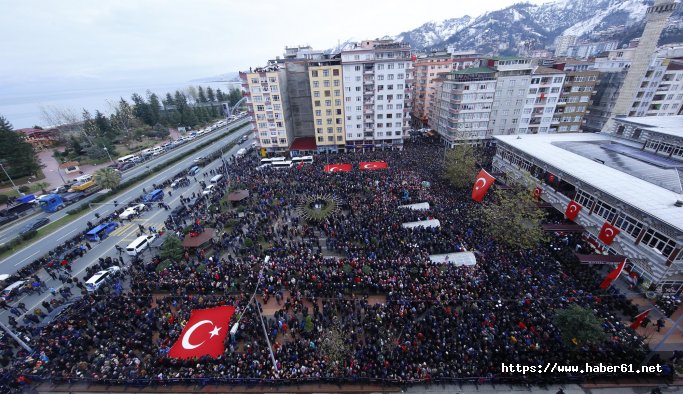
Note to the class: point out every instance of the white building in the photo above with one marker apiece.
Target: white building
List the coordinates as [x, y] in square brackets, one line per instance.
[539, 105]
[628, 178]
[562, 43]
[513, 78]
[377, 96]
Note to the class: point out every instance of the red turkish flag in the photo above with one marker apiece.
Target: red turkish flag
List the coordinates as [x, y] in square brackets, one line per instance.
[482, 185]
[614, 274]
[301, 164]
[607, 233]
[373, 165]
[639, 319]
[338, 167]
[204, 333]
[572, 211]
[537, 193]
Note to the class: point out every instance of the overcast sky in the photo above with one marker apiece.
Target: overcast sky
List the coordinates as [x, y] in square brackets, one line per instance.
[163, 40]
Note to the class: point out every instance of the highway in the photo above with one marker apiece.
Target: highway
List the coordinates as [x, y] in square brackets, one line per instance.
[10, 231]
[40, 247]
[121, 236]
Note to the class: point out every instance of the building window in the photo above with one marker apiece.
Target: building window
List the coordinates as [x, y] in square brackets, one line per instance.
[659, 242]
[628, 225]
[584, 199]
[314, 73]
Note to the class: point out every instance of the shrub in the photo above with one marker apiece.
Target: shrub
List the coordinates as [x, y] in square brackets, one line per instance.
[24, 189]
[3, 199]
[29, 235]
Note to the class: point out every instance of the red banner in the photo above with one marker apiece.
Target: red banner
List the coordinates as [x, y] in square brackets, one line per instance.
[607, 233]
[572, 211]
[338, 168]
[204, 333]
[482, 185]
[373, 165]
[639, 319]
[614, 274]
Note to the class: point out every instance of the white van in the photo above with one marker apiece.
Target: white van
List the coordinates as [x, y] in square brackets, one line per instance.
[140, 244]
[84, 178]
[13, 290]
[241, 152]
[217, 178]
[157, 150]
[101, 278]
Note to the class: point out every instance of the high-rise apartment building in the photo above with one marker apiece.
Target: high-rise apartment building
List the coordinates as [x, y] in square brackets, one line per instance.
[542, 97]
[377, 93]
[575, 97]
[327, 95]
[463, 105]
[562, 44]
[426, 71]
[267, 106]
[656, 18]
[513, 79]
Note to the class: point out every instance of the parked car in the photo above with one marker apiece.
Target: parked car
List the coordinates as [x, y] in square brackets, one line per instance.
[35, 225]
[102, 277]
[125, 166]
[61, 189]
[13, 290]
[208, 189]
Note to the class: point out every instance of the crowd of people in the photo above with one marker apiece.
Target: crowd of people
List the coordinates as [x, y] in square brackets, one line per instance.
[353, 297]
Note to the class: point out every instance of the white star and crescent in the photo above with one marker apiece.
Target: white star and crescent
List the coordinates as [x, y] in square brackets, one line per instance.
[572, 208]
[609, 233]
[333, 169]
[186, 344]
[476, 184]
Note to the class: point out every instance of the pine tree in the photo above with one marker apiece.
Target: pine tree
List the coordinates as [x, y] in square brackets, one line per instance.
[201, 97]
[209, 94]
[16, 155]
[154, 108]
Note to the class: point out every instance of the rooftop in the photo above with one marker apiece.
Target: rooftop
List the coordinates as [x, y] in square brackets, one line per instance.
[547, 70]
[668, 125]
[638, 184]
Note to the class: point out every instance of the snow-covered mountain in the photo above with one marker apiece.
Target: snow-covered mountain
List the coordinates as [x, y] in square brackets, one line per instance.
[433, 33]
[529, 26]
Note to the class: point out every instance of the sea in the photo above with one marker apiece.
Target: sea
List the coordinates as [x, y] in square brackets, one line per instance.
[24, 107]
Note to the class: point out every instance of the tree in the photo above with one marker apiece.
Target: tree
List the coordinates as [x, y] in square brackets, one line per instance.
[220, 97]
[104, 126]
[209, 94]
[512, 218]
[142, 110]
[460, 167]
[123, 117]
[579, 326]
[169, 100]
[154, 108]
[172, 249]
[107, 177]
[188, 117]
[17, 155]
[333, 344]
[234, 96]
[200, 95]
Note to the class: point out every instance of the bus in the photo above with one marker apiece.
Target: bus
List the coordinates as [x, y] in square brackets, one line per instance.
[271, 160]
[126, 159]
[302, 159]
[281, 164]
[154, 195]
[100, 232]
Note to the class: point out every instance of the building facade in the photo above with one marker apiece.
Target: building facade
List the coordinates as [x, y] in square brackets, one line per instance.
[377, 94]
[637, 196]
[426, 71]
[538, 113]
[575, 98]
[268, 107]
[562, 44]
[463, 106]
[327, 95]
[512, 87]
[656, 18]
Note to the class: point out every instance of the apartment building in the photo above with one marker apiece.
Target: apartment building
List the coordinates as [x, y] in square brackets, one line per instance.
[377, 94]
[513, 79]
[542, 97]
[267, 105]
[667, 99]
[426, 70]
[575, 97]
[327, 95]
[463, 106]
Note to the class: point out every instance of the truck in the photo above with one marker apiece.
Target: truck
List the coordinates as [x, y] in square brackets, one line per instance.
[54, 202]
[82, 186]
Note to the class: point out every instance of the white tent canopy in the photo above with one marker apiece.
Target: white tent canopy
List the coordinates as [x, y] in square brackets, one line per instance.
[422, 223]
[422, 206]
[460, 258]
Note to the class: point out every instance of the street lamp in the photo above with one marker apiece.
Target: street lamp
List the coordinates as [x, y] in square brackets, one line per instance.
[107, 150]
[10, 179]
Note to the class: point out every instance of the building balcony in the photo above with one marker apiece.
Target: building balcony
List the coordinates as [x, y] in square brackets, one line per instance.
[368, 81]
[369, 72]
[368, 129]
[369, 92]
[368, 111]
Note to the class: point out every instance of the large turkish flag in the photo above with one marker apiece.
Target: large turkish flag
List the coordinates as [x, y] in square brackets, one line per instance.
[572, 211]
[607, 233]
[373, 165]
[482, 185]
[338, 167]
[204, 333]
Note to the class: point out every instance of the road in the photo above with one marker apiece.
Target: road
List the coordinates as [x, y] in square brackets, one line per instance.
[10, 231]
[40, 247]
[121, 236]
